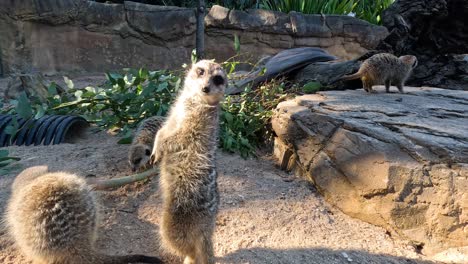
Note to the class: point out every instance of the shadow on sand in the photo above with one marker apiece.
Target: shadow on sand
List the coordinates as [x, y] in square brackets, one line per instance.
[312, 256]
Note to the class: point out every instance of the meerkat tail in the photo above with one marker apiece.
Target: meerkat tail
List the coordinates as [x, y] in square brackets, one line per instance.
[356, 75]
[119, 182]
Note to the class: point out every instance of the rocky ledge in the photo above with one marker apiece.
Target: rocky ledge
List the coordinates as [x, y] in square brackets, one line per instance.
[399, 161]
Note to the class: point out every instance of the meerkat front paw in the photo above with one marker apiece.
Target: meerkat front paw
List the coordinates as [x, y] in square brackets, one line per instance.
[154, 158]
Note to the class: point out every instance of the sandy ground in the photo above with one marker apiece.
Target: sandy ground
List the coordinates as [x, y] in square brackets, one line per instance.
[266, 215]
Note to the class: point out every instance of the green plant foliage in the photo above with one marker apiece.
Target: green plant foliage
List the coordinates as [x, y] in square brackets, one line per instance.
[310, 7]
[245, 118]
[129, 97]
[23, 106]
[7, 162]
[369, 10]
[193, 56]
[124, 100]
[236, 44]
[311, 87]
[236, 4]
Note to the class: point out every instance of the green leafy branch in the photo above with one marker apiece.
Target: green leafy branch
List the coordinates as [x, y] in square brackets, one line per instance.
[128, 97]
[6, 162]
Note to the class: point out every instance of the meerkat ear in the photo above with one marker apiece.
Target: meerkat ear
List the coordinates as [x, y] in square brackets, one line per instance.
[415, 63]
[147, 152]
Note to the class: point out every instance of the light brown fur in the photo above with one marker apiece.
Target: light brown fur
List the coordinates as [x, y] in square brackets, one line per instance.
[185, 148]
[142, 144]
[384, 68]
[52, 218]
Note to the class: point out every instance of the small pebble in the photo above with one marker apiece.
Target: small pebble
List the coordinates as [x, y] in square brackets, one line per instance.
[347, 257]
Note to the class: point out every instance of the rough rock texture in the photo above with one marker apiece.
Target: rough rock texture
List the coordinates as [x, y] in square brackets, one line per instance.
[80, 35]
[399, 161]
[263, 32]
[32, 84]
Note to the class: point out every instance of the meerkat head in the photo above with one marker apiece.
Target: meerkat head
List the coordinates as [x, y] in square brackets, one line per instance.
[207, 80]
[139, 156]
[409, 60]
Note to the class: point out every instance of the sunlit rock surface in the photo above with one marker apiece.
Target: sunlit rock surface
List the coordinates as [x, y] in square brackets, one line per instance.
[395, 160]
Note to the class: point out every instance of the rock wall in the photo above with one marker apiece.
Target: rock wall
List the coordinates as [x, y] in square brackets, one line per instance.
[395, 160]
[79, 35]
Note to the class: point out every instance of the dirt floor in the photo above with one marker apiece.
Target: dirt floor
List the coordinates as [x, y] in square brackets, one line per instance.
[266, 215]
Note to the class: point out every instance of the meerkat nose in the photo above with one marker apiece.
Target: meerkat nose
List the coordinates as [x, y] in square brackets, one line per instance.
[206, 89]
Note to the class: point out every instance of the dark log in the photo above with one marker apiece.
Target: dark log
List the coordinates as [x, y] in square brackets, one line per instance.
[283, 63]
[329, 73]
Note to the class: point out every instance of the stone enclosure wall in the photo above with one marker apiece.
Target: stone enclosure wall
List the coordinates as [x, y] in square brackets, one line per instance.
[79, 35]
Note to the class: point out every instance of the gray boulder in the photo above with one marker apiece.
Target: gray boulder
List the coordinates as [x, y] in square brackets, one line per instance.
[399, 161]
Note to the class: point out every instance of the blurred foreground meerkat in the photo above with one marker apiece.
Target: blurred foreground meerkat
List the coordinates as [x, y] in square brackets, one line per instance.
[142, 144]
[185, 149]
[384, 68]
[52, 218]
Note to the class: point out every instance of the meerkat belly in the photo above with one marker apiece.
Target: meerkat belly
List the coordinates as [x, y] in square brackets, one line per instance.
[190, 190]
[190, 203]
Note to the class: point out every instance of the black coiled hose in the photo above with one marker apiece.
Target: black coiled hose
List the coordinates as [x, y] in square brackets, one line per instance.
[49, 129]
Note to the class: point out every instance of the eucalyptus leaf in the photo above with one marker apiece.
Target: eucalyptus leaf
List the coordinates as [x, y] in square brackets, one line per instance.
[52, 89]
[125, 140]
[40, 111]
[236, 44]
[194, 56]
[23, 108]
[312, 87]
[162, 86]
[9, 158]
[68, 82]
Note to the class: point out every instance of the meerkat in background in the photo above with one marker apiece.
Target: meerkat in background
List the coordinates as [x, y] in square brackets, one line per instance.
[385, 68]
[185, 150]
[142, 144]
[53, 218]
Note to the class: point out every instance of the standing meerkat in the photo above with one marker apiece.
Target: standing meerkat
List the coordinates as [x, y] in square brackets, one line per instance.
[53, 219]
[384, 68]
[142, 144]
[185, 149]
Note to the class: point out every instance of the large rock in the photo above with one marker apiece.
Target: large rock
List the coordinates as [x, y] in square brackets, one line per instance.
[395, 160]
[161, 22]
[68, 35]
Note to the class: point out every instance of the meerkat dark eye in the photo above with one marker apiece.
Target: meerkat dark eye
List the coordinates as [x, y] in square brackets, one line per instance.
[200, 72]
[218, 80]
[137, 161]
[147, 152]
